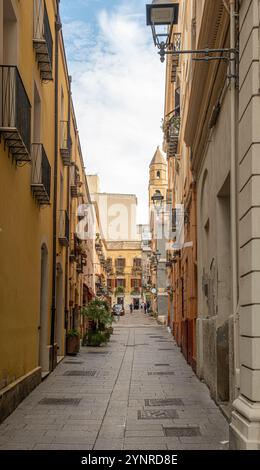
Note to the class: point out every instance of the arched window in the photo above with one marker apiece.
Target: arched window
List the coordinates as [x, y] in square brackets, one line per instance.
[158, 175]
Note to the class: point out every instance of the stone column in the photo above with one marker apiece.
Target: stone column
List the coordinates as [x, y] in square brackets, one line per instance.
[245, 423]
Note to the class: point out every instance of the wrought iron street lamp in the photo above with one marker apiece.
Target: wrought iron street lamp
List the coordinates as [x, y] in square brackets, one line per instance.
[157, 256]
[157, 199]
[162, 15]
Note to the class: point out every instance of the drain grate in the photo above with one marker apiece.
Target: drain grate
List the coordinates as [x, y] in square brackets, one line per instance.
[157, 337]
[73, 362]
[157, 414]
[163, 402]
[161, 365]
[164, 341]
[98, 352]
[60, 401]
[80, 373]
[186, 431]
[164, 349]
[161, 373]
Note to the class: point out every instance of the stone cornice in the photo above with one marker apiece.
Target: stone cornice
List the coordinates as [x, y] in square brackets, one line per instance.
[207, 81]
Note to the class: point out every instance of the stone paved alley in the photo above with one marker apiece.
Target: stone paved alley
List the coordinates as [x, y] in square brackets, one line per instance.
[136, 393]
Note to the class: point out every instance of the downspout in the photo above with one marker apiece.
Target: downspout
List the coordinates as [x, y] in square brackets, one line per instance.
[68, 211]
[233, 197]
[54, 260]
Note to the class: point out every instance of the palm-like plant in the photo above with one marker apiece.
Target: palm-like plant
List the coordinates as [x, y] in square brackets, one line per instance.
[99, 314]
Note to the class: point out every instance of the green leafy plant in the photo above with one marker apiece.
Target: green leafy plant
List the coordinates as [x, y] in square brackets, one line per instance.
[135, 292]
[94, 338]
[72, 333]
[99, 315]
[119, 290]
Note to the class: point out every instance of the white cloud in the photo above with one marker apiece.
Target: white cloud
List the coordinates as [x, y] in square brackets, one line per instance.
[118, 92]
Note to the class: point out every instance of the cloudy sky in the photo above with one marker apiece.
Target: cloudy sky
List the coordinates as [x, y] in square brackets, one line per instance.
[118, 91]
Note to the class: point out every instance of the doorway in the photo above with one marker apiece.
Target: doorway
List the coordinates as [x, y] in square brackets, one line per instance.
[43, 326]
[224, 291]
[60, 332]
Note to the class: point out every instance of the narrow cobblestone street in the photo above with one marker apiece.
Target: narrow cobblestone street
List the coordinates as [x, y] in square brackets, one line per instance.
[136, 393]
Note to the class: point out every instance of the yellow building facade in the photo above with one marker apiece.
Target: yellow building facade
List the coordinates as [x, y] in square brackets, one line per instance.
[124, 281]
[42, 181]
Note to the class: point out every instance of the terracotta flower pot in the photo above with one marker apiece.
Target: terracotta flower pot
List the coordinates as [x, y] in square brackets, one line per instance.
[72, 345]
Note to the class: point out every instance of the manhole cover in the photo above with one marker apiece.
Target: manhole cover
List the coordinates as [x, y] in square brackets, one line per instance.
[80, 373]
[161, 373]
[157, 414]
[165, 402]
[60, 401]
[73, 362]
[161, 365]
[187, 431]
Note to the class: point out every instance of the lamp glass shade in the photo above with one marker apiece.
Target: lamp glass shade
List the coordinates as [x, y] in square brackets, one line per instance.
[157, 200]
[161, 13]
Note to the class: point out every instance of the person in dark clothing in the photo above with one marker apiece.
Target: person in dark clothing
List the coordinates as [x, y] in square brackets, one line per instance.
[145, 308]
[131, 308]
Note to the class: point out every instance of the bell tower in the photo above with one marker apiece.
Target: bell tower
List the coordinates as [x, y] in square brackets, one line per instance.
[158, 176]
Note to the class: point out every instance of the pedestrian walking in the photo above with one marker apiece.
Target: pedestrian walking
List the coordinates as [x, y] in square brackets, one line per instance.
[145, 308]
[131, 308]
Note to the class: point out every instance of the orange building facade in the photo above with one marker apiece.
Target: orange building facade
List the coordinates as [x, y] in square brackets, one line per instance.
[181, 199]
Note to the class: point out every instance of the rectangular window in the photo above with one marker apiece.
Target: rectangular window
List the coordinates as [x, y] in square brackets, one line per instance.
[120, 263]
[137, 263]
[120, 283]
[135, 283]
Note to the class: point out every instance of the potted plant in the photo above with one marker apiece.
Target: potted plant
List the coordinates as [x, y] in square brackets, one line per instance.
[72, 342]
[119, 290]
[100, 319]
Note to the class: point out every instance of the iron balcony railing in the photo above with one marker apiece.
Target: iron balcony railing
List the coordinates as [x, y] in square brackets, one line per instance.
[172, 131]
[74, 180]
[64, 228]
[41, 175]
[42, 39]
[15, 113]
[80, 265]
[175, 57]
[65, 143]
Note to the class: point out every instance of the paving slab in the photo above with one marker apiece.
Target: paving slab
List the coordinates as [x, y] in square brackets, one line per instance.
[109, 407]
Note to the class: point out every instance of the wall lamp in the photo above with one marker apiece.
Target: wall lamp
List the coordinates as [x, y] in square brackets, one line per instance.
[162, 15]
[157, 200]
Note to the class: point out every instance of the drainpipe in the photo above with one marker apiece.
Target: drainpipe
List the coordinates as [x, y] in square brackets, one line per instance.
[56, 124]
[233, 190]
[68, 211]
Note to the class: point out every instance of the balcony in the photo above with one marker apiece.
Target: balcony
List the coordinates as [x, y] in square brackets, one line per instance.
[176, 57]
[65, 143]
[41, 175]
[42, 40]
[64, 228]
[172, 135]
[80, 264]
[74, 180]
[15, 114]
